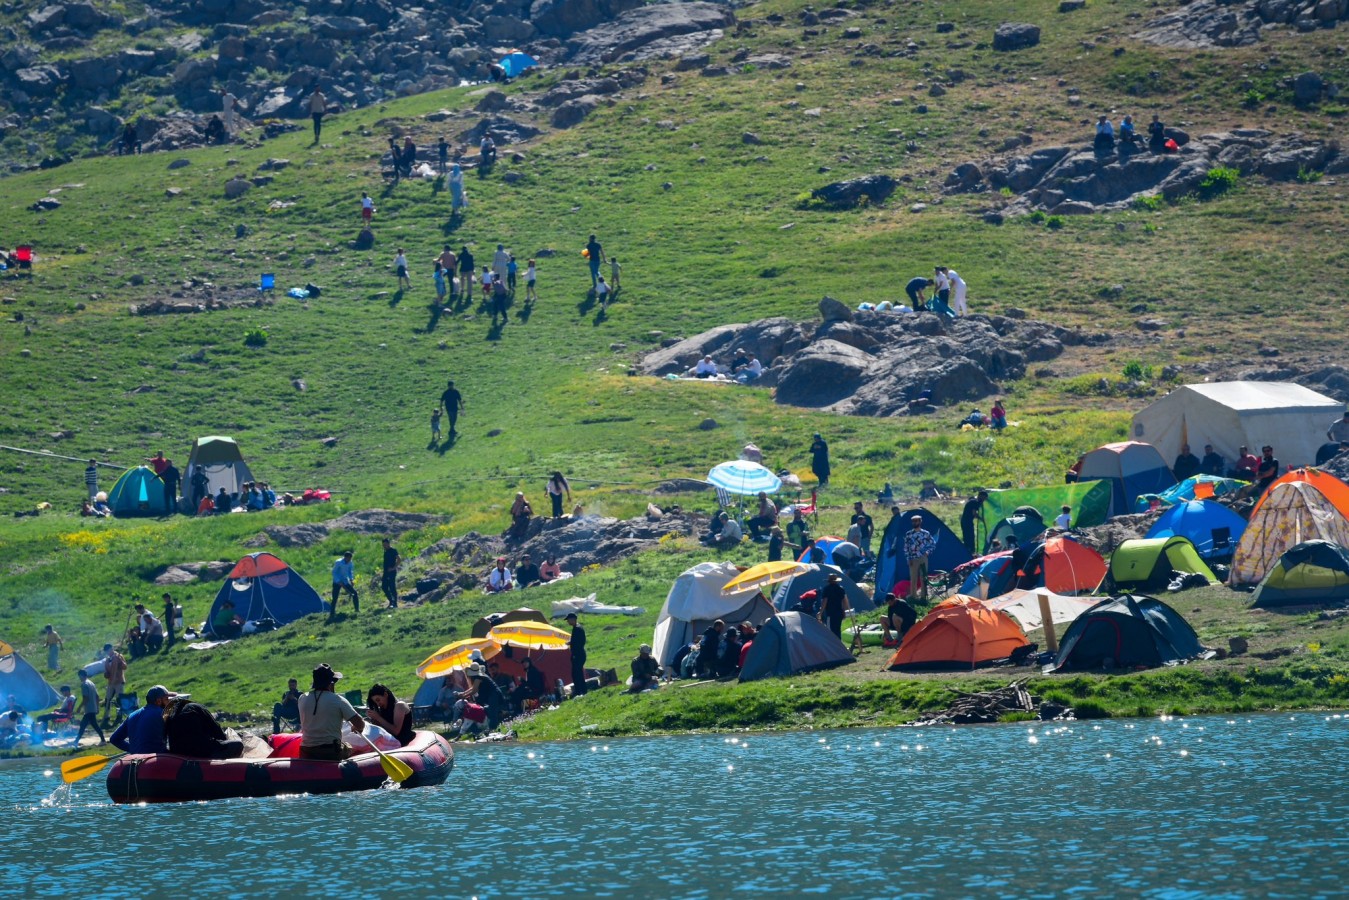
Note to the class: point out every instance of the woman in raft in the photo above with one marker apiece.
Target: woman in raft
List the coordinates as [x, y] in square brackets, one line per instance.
[390, 713]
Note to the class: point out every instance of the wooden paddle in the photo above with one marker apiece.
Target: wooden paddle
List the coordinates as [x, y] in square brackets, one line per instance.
[396, 769]
[73, 770]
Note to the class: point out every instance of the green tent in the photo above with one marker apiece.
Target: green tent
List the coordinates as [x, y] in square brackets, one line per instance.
[1312, 572]
[1149, 562]
[1090, 501]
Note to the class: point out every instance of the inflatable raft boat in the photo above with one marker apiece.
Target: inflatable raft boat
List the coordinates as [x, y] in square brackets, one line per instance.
[166, 778]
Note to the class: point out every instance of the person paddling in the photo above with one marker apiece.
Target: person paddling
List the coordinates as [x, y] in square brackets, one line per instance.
[322, 712]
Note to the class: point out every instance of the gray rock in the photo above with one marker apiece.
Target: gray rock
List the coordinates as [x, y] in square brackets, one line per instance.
[1066, 6]
[180, 163]
[832, 310]
[46, 18]
[95, 73]
[502, 129]
[39, 81]
[1015, 36]
[342, 28]
[709, 425]
[574, 111]
[823, 374]
[237, 186]
[507, 30]
[645, 25]
[847, 194]
[1307, 89]
[693, 62]
[492, 101]
[680, 356]
[750, 137]
[101, 122]
[560, 18]
[380, 522]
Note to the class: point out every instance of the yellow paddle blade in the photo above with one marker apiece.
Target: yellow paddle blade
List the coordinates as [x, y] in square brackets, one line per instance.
[396, 769]
[73, 770]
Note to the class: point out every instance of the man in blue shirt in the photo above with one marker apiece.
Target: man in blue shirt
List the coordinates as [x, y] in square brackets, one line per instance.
[143, 730]
[344, 579]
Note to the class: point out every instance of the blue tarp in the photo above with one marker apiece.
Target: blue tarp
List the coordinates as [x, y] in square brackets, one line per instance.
[1186, 491]
[515, 63]
[998, 572]
[1197, 520]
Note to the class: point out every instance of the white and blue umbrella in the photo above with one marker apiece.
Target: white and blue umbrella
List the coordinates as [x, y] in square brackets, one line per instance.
[740, 476]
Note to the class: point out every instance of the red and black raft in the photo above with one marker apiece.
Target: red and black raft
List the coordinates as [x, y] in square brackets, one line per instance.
[166, 778]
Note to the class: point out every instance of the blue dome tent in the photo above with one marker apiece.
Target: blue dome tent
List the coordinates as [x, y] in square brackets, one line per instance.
[1211, 527]
[893, 566]
[139, 492]
[261, 586]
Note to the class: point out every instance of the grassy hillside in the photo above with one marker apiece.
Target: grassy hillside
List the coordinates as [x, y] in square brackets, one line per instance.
[729, 241]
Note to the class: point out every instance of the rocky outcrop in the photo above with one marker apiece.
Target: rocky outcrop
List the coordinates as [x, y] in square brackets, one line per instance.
[193, 572]
[1067, 180]
[380, 522]
[875, 364]
[851, 193]
[637, 28]
[1225, 23]
[1015, 36]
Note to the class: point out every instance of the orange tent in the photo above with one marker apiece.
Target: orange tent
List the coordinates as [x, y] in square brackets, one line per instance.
[1334, 490]
[1071, 567]
[256, 565]
[961, 632]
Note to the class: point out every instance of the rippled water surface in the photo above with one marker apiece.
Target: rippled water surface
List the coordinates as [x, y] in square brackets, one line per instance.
[1203, 807]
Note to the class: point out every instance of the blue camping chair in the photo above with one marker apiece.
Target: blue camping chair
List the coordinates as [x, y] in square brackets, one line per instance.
[267, 282]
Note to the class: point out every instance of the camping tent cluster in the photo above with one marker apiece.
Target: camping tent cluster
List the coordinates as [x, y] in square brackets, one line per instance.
[140, 492]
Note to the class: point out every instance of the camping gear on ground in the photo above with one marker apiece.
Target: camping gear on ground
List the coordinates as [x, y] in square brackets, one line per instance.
[138, 492]
[1312, 572]
[1232, 414]
[1065, 566]
[515, 63]
[224, 466]
[789, 643]
[695, 601]
[1303, 505]
[1197, 487]
[1026, 524]
[991, 576]
[1024, 607]
[743, 478]
[267, 281]
[814, 579]
[1211, 527]
[847, 552]
[588, 604]
[1090, 501]
[167, 778]
[491, 620]
[959, 633]
[262, 586]
[18, 677]
[1127, 632]
[1131, 468]
[1149, 562]
[892, 566]
[764, 575]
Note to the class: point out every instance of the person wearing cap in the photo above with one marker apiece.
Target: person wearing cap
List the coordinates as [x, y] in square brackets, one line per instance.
[819, 459]
[89, 704]
[577, 644]
[389, 581]
[114, 672]
[344, 579]
[918, 546]
[835, 605]
[482, 693]
[143, 730]
[526, 573]
[322, 712]
[646, 671]
[500, 578]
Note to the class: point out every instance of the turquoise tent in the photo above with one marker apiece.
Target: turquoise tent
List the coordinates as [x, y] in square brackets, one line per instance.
[1211, 527]
[1189, 490]
[29, 688]
[139, 492]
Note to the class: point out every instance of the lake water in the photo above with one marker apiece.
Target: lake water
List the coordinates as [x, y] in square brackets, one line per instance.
[1167, 808]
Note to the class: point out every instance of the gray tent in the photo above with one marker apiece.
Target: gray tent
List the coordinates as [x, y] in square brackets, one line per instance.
[789, 643]
[785, 597]
[696, 601]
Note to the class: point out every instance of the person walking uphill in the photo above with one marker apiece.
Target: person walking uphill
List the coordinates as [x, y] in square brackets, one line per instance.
[389, 582]
[344, 579]
[595, 256]
[819, 460]
[918, 546]
[577, 643]
[322, 712]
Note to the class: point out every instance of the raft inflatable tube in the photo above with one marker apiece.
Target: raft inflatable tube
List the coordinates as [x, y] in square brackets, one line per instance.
[166, 778]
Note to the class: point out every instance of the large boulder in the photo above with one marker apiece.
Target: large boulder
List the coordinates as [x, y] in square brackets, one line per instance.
[637, 28]
[560, 18]
[1307, 88]
[847, 194]
[832, 310]
[102, 123]
[342, 28]
[507, 30]
[680, 357]
[823, 374]
[380, 522]
[39, 81]
[502, 129]
[1015, 36]
[574, 111]
[95, 73]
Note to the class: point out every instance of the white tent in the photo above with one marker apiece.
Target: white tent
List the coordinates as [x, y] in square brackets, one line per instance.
[695, 601]
[1229, 414]
[1024, 606]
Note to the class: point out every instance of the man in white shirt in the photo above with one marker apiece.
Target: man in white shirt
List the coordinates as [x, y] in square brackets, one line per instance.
[322, 712]
[942, 285]
[1063, 521]
[705, 368]
[500, 578]
[228, 102]
[957, 292]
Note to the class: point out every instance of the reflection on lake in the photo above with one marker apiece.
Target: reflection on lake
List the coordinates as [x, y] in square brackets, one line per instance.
[1251, 806]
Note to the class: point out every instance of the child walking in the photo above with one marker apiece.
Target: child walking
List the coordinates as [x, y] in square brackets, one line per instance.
[511, 268]
[531, 274]
[441, 288]
[400, 265]
[602, 292]
[486, 284]
[614, 270]
[435, 425]
[367, 208]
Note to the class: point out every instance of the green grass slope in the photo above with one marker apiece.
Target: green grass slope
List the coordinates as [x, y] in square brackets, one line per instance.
[729, 241]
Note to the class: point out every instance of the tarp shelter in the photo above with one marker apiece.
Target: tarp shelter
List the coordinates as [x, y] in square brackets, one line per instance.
[1026, 524]
[224, 464]
[515, 63]
[1303, 505]
[27, 685]
[1090, 501]
[1313, 572]
[1024, 607]
[1127, 632]
[790, 643]
[139, 492]
[1149, 562]
[960, 633]
[1131, 468]
[263, 586]
[1190, 489]
[789, 592]
[1230, 414]
[994, 576]
[487, 622]
[892, 566]
[1066, 567]
[1211, 527]
[695, 601]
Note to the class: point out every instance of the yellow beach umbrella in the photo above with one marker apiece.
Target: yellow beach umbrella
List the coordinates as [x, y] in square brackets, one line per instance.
[764, 574]
[456, 654]
[5, 649]
[537, 635]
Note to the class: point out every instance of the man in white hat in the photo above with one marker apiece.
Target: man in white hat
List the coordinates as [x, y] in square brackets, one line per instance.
[646, 671]
[322, 712]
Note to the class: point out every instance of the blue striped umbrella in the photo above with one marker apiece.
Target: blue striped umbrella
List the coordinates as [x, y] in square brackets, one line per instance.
[740, 476]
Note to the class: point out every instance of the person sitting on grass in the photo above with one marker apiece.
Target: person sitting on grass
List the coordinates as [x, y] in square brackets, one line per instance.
[728, 653]
[223, 503]
[730, 535]
[526, 573]
[706, 663]
[646, 672]
[550, 570]
[500, 580]
[766, 517]
[225, 623]
[530, 688]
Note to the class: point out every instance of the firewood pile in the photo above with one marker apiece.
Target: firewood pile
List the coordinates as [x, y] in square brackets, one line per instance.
[985, 706]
